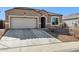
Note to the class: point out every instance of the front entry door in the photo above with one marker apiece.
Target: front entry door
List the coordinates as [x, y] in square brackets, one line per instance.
[43, 22]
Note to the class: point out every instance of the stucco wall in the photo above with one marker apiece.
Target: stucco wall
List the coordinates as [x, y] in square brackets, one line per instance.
[70, 23]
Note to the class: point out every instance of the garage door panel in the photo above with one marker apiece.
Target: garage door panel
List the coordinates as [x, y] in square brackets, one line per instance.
[23, 23]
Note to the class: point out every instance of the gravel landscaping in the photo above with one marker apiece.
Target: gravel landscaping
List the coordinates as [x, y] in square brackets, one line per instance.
[63, 35]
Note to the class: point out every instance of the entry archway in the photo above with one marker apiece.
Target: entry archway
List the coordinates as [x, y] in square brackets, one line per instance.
[43, 22]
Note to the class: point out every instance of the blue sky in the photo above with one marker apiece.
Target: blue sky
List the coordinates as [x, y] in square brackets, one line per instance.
[60, 10]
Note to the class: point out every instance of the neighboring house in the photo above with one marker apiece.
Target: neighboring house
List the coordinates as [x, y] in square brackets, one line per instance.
[71, 20]
[24, 17]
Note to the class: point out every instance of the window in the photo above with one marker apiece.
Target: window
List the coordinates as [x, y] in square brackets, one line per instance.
[54, 20]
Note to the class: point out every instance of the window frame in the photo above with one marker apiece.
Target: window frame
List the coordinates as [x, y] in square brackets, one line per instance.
[51, 21]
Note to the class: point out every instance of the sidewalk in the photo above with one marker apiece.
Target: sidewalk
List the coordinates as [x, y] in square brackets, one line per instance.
[53, 47]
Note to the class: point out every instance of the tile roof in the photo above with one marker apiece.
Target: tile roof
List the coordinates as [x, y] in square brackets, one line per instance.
[28, 8]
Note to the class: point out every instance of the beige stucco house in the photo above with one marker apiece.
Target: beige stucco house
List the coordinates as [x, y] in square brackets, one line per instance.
[24, 17]
[71, 20]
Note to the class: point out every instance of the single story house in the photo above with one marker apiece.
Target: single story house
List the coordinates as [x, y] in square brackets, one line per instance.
[25, 17]
[71, 20]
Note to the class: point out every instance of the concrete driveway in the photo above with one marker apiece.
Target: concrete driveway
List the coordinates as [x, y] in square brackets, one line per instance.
[26, 37]
[23, 34]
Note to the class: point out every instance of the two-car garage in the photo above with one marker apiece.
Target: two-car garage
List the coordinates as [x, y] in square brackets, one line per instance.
[23, 22]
